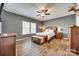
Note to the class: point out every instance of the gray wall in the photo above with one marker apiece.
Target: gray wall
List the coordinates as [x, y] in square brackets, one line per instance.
[64, 22]
[13, 23]
[0, 20]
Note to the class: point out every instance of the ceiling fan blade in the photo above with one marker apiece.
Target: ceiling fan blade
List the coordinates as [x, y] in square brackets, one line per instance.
[38, 11]
[70, 9]
[47, 14]
[76, 9]
[46, 10]
[38, 15]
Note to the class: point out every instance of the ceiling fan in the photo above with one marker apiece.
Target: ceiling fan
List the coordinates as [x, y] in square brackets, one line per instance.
[74, 7]
[43, 12]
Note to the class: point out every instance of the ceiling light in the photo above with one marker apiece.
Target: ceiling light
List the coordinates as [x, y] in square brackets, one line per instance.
[43, 12]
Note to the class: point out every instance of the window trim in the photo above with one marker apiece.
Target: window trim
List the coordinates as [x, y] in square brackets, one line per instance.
[29, 27]
[22, 27]
[35, 28]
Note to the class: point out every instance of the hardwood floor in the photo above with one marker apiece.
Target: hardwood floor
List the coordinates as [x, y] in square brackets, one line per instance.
[54, 48]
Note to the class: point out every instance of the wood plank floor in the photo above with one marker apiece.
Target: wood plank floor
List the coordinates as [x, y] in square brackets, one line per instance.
[54, 48]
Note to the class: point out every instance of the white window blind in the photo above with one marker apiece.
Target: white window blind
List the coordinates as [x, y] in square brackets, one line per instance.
[33, 27]
[28, 27]
[25, 27]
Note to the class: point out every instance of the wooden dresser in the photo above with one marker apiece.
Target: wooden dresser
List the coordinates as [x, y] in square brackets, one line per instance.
[74, 39]
[8, 45]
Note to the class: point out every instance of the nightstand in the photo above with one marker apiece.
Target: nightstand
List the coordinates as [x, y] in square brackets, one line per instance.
[58, 35]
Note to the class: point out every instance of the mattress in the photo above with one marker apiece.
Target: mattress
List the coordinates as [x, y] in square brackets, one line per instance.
[49, 34]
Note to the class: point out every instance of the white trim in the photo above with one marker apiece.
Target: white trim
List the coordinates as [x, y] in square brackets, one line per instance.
[22, 39]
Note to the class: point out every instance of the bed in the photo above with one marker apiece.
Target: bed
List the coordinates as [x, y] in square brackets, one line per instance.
[48, 34]
[45, 36]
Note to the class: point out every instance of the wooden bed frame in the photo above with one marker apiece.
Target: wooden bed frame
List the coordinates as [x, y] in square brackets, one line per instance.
[38, 38]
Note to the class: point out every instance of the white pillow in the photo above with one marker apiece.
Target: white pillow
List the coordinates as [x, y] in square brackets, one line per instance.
[47, 30]
[51, 31]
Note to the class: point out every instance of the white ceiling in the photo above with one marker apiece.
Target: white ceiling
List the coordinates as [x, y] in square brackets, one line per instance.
[29, 9]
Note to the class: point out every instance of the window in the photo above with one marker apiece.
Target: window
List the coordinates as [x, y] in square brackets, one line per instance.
[25, 27]
[33, 27]
[28, 27]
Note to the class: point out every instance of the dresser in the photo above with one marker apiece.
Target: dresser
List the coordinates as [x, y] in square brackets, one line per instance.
[74, 39]
[8, 45]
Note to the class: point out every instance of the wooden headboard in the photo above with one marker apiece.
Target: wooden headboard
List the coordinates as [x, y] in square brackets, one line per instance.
[52, 28]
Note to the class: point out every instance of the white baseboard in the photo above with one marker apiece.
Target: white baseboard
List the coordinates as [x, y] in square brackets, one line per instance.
[22, 39]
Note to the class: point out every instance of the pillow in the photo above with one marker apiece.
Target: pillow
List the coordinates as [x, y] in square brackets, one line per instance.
[47, 30]
[51, 31]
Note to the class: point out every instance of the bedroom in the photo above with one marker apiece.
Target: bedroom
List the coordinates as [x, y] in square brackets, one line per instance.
[25, 20]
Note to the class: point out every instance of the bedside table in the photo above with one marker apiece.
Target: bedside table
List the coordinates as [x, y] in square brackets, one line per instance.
[58, 35]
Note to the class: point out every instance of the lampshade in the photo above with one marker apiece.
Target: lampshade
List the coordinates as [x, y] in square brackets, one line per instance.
[59, 29]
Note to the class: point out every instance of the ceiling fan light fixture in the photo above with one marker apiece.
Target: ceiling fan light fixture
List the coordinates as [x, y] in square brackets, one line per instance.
[42, 14]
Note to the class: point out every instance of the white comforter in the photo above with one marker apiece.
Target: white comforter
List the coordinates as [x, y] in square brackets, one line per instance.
[49, 34]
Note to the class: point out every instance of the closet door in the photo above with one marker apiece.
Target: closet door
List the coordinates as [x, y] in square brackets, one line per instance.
[75, 39]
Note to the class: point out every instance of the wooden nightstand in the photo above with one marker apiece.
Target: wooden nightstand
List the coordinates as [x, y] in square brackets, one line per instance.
[58, 35]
